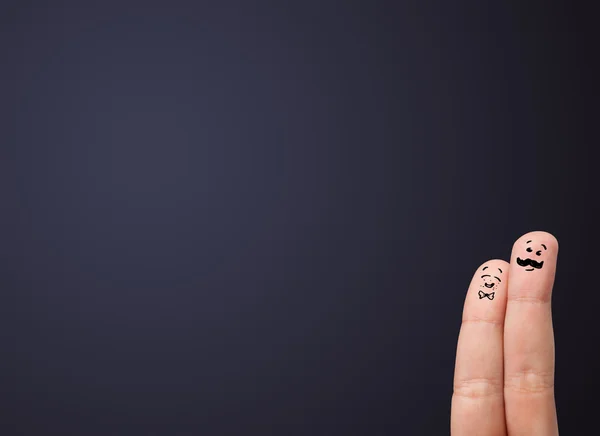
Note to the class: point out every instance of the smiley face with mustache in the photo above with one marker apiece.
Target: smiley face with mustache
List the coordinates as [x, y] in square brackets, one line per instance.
[530, 263]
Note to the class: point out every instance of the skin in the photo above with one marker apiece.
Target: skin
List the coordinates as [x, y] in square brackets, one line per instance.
[504, 373]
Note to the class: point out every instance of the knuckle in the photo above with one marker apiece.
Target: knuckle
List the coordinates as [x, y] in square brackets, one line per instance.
[530, 382]
[480, 320]
[478, 387]
[529, 297]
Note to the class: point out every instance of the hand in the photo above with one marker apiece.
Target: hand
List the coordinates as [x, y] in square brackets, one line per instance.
[504, 375]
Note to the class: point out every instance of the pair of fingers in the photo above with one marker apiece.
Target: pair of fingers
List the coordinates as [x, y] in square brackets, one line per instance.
[504, 374]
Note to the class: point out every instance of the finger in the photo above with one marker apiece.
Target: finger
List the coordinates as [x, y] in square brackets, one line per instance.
[529, 338]
[477, 402]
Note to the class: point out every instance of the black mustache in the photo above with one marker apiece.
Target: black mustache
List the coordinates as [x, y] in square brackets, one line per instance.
[530, 262]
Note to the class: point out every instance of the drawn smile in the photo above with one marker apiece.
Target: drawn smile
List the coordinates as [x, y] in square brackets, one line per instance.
[486, 279]
[529, 263]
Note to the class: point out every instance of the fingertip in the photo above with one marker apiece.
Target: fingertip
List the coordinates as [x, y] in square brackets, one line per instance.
[533, 266]
[548, 240]
[494, 263]
[491, 270]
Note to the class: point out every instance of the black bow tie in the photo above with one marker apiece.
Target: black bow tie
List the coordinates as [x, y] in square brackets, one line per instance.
[483, 295]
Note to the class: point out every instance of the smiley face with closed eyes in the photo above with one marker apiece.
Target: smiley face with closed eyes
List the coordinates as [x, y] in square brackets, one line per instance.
[491, 280]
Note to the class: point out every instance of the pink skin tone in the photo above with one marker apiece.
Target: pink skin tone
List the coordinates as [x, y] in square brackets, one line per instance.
[504, 372]
[490, 282]
[533, 251]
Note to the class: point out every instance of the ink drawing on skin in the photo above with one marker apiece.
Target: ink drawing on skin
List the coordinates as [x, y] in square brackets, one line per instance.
[534, 252]
[490, 283]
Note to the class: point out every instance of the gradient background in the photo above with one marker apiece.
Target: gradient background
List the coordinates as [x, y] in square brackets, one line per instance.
[244, 218]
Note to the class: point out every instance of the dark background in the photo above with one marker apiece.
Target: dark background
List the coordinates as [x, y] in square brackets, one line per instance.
[261, 218]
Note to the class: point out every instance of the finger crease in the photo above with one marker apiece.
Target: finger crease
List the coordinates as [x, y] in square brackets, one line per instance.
[528, 299]
[481, 320]
[530, 381]
[478, 387]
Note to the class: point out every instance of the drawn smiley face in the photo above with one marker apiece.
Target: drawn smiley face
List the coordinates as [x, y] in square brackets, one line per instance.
[490, 282]
[534, 259]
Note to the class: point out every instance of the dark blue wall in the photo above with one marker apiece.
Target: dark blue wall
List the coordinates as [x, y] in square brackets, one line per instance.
[250, 219]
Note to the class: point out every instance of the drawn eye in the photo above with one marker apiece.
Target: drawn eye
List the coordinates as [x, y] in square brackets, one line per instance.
[529, 250]
[539, 252]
